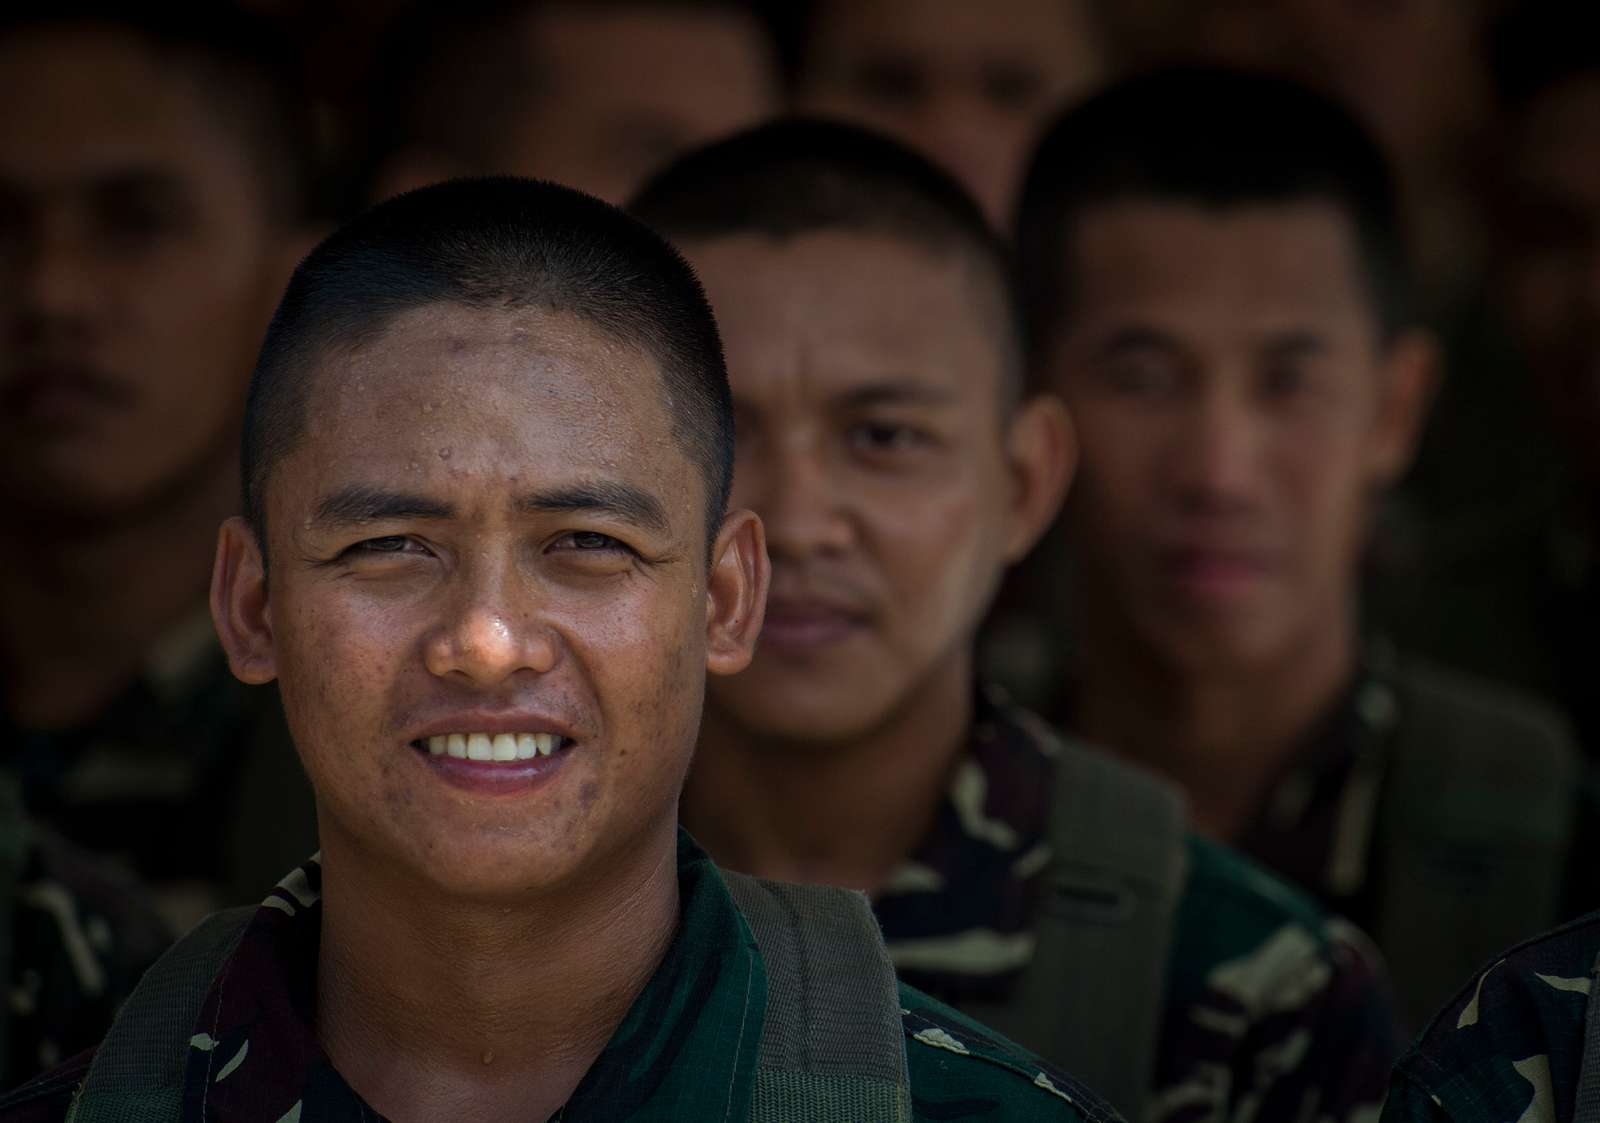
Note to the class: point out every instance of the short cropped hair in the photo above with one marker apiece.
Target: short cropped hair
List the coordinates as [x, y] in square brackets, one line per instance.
[800, 176]
[497, 243]
[247, 70]
[1214, 138]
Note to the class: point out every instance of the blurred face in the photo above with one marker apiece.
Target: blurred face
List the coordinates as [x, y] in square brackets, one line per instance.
[1550, 267]
[625, 90]
[969, 84]
[490, 609]
[138, 267]
[1236, 410]
[867, 383]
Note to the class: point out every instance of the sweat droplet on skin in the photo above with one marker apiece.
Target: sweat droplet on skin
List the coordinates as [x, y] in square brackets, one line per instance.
[488, 1057]
[444, 454]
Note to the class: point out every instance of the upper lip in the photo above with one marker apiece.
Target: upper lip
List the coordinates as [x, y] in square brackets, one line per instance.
[1187, 554]
[496, 721]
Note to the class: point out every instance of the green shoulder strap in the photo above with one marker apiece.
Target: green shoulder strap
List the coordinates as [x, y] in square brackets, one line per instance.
[1092, 998]
[137, 1073]
[832, 1044]
[1474, 829]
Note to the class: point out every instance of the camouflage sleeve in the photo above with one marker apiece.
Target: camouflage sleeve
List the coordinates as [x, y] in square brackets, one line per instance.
[1408, 1103]
[1300, 1026]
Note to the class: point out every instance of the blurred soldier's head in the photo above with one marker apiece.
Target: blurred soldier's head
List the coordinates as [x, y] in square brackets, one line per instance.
[1214, 283]
[1549, 215]
[596, 94]
[875, 359]
[152, 185]
[968, 84]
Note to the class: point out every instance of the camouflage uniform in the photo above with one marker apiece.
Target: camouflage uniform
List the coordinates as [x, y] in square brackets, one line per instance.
[1510, 1045]
[1273, 1010]
[76, 942]
[680, 1053]
[187, 781]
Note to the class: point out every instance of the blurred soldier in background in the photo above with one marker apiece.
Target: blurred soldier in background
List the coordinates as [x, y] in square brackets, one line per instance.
[152, 196]
[1215, 283]
[887, 443]
[969, 85]
[596, 94]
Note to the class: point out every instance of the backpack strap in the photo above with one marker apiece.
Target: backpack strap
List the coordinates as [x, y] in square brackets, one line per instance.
[1092, 998]
[1475, 828]
[832, 1043]
[137, 1073]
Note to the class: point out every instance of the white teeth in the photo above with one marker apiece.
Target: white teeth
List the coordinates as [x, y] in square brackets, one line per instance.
[494, 746]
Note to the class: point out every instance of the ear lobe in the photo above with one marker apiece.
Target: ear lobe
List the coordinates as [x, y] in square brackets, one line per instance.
[239, 604]
[1411, 375]
[1042, 450]
[736, 593]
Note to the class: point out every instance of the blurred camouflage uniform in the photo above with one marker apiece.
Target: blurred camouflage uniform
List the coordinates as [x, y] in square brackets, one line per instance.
[1510, 1046]
[76, 941]
[1272, 1009]
[188, 781]
[681, 1053]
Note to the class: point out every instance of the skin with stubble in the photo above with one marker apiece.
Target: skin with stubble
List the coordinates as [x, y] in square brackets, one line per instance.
[1237, 409]
[139, 260]
[896, 483]
[970, 85]
[488, 529]
[1549, 258]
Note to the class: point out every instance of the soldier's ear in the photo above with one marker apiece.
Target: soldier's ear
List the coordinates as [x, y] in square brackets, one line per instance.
[1042, 453]
[736, 593]
[1410, 379]
[239, 603]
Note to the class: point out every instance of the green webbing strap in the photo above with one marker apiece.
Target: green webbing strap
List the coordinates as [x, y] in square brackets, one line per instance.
[1588, 1102]
[1091, 999]
[1474, 829]
[137, 1073]
[832, 1044]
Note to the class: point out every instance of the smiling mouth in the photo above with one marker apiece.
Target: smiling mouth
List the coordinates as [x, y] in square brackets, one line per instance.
[493, 748]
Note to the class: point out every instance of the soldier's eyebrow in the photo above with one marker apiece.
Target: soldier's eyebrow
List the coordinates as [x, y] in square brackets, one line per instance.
[357, 504]
[896, 392]
[603, 497]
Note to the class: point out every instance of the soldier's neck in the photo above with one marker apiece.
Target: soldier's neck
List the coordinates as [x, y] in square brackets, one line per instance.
[1223, 730]
[436, 1007]
[83, 601]
[847, 811]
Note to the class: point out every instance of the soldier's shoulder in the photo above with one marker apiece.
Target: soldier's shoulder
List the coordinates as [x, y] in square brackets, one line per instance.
[1478, 710]
[1240, 903]
[46, 1098]
[1514, 1034]
[960, 1069]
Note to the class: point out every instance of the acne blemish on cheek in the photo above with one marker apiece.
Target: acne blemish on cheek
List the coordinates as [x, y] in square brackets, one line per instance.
[444, 454]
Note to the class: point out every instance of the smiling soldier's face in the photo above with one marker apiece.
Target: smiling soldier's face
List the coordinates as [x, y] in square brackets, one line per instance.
[489, 603]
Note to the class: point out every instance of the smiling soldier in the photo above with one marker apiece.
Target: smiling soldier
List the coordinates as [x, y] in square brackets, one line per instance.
[486, 558]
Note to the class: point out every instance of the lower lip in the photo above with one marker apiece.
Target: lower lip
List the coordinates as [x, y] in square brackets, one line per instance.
[1217, 580]
[803, 633]
[483, 777]
[58, 404]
